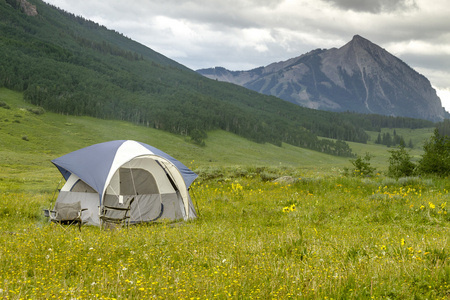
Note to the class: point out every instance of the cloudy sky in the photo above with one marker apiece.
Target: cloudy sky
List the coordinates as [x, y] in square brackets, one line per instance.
[245, 34]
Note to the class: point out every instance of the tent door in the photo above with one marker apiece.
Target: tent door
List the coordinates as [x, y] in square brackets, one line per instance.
[142, 185]
[134, 181]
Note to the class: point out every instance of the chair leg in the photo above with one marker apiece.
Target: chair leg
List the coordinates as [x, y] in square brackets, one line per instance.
[61, 225]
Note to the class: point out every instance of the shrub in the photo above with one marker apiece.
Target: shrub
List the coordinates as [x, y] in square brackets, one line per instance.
[198, 137]
[37, 110]
[267, 176]
[208, 173]
[400, 164]
[389, 182]
[4, 105]
[361, 166]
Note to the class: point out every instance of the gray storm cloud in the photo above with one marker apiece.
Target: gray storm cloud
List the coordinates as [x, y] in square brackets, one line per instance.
[374, 6]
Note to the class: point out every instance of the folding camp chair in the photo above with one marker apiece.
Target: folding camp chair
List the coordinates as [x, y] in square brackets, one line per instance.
[66, 213]
[119, 215]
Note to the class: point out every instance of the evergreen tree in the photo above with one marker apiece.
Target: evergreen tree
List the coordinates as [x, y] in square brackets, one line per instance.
[436, 157]
[387, 139]
[378, 140]
[397, 140]
[444, 128]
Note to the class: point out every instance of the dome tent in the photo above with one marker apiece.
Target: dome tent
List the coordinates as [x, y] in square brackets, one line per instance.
[113, 172]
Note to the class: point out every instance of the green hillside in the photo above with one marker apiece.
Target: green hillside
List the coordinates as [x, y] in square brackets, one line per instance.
[29, 140]
[70, 65]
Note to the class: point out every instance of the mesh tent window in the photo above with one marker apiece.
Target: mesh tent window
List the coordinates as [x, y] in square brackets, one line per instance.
[82, 187]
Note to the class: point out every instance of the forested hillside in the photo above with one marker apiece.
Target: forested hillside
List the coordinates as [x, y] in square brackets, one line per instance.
[70, 65]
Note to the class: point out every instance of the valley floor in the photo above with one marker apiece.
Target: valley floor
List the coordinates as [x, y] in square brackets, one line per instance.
[318, 237]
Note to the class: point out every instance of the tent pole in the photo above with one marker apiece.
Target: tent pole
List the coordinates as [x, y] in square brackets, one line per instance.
[136, 195]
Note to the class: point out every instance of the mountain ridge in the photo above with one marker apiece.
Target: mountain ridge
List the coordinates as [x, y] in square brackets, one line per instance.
[360, 76]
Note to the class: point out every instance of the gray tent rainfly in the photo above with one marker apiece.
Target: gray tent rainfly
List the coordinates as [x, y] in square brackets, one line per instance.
[114, 172]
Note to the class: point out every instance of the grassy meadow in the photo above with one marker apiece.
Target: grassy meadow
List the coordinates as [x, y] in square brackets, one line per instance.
[317, 234]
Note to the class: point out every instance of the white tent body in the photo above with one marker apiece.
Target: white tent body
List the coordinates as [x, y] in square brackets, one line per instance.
[156, 184]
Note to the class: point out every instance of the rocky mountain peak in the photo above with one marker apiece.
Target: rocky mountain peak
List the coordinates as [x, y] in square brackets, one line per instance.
[359, 76]
[359, 40]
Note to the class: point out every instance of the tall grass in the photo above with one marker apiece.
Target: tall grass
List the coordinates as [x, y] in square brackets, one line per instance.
[327, 237]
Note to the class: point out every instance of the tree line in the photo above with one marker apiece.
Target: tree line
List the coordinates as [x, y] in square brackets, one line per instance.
[392, 140]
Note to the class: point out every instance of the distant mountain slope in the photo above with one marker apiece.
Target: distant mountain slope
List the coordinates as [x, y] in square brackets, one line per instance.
[360, 77]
